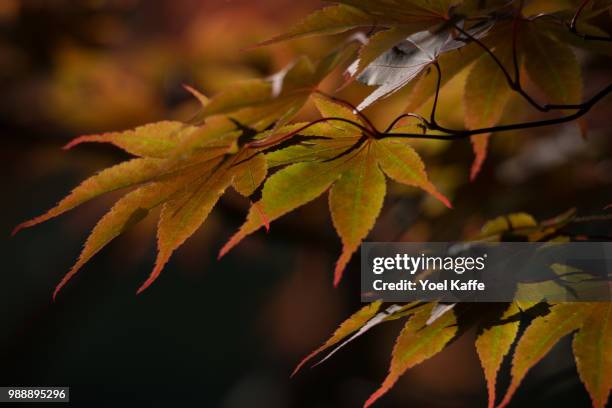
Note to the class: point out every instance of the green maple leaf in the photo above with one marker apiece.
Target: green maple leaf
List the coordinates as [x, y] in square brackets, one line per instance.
[353, 171]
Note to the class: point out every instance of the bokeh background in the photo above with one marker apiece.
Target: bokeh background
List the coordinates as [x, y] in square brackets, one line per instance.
[228, 333]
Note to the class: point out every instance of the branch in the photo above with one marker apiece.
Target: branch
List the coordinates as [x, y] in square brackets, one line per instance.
[454, 134]
[424, 122]
[353, 108]
[515, 84]
[271, 140]
[572, 25]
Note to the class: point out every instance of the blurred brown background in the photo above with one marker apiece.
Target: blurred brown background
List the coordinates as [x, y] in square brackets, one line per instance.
[228, 333]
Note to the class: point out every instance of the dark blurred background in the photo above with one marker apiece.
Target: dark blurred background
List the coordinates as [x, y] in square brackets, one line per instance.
[228, 333]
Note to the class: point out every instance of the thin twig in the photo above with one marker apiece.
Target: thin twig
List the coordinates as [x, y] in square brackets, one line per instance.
[572, 25]
[515, 31]
[353, 108]
[568, 25]
[454, 134]
[432, 117]
[406, 115]
[515, 84]
[591, 218]
[271, 141]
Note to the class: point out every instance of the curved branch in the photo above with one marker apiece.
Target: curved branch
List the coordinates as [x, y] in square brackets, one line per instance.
[353, 108]
[454, 134]
[271, 141]
[572, 24]
[515, 84]
[424, 121]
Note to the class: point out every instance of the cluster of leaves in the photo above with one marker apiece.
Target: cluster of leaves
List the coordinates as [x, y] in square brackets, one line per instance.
[431, 327]
[244, 131]
[244, 138]
[498, 45]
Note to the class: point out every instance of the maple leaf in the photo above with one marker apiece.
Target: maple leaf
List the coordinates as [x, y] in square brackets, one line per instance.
[486, 94]
[154, 182]
[151, 140]
[127, 174]
[592, 345]
[381, 42]
[415, 34]
[349, 326]
[416, 343]
[243, 133]
[185, 168]
[359, 323]
[183, 214]
[523, 227]
[541, 335]
[451, 64]
[431, 326]
[405, 60]
[329, 20]
[493, 343]
[258, 103]
[353, 175]
[129, 210]
[552, 66]
[350, 14]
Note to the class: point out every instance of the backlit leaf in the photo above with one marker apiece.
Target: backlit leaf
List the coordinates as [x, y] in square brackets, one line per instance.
[329, 20]
[358, 185]
[508, 222]
[183, 215]
[261, 102]
[214, 141]
[152, 140]
[285, 191]
[417, 342]
[197, 170]
[355, 201]
[249, 174]
[390, 313]
[486, 94]
[523, 227]
[541, 335]
[122, 175]
[492, 345]
[349, 326]
[592, 346]
[129, 210]
[328, 109]
[403, 164]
